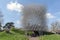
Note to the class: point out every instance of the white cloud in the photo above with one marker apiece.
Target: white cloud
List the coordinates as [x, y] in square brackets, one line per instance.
[18, 22]
[49, 15]
[15, 6]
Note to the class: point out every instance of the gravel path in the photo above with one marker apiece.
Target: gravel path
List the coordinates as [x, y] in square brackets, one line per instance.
[33, 38]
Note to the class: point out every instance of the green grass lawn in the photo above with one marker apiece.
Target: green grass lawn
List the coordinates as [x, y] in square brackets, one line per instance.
[19, 35]
[50, 37]
[12, 36]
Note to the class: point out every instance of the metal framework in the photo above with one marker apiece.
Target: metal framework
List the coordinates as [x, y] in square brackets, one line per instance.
[34, 18]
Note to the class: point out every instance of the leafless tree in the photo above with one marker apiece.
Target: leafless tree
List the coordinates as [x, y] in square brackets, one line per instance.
[1, 19]
[55, 26]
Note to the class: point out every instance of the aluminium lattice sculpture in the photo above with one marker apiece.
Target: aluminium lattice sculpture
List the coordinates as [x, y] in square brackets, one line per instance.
[34, 18]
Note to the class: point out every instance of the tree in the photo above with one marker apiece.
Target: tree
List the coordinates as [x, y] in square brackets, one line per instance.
[1, 20]
[8, 26]
[55, 26]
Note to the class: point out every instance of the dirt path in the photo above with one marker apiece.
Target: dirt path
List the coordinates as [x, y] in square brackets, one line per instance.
[33, 38]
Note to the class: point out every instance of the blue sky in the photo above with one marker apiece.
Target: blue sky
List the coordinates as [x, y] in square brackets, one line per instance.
[53, 10]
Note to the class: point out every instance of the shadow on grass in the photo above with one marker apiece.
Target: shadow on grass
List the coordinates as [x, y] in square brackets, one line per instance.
[37, 33]
[47, 33]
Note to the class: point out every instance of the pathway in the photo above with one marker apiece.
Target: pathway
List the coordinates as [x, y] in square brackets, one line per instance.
[33, 38]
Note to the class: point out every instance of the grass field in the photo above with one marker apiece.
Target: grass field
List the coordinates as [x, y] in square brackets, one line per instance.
[12, 36]
[50, 37]
[19, 35]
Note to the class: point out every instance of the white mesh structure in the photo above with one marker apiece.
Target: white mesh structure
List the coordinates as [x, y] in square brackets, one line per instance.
[34, 18]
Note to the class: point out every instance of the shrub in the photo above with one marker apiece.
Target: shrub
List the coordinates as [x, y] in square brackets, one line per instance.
[18, 31]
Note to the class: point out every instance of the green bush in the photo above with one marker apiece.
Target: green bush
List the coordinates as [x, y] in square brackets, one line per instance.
[18, 31]
[47, 33]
